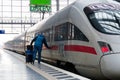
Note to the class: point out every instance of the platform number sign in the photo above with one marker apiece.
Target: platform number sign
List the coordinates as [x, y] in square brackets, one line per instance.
[40, 5]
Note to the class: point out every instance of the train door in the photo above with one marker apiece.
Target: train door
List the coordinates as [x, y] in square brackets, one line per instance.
[48, 35]
[50, 40]
[60, 40]
[54, 44]
[51, 36]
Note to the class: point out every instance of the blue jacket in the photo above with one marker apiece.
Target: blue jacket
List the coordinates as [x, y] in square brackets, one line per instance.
[39, 41]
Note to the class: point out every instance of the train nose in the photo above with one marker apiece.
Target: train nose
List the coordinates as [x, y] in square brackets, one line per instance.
[110, 66]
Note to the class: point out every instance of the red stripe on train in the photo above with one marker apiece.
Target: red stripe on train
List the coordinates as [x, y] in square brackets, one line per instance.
[77, 48]
[54, 47]
[80, 48]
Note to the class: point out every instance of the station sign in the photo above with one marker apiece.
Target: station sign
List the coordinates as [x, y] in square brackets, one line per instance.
[40, 5]
[40, 2]
[40, 8]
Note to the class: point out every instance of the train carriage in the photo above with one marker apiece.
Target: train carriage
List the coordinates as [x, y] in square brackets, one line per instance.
[85, 34]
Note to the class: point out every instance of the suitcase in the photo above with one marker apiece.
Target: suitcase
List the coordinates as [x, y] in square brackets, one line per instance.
[29, 54]
[29, 59]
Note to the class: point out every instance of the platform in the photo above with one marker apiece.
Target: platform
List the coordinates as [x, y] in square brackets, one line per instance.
[15, 68]
[12, 68]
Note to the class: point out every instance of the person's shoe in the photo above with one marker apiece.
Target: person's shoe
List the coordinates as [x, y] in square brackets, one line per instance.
[33, 62]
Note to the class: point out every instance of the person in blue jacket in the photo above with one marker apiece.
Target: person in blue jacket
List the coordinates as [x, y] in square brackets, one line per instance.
[38, 43]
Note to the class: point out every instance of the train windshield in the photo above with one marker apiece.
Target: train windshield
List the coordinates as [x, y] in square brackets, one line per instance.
[105, 20]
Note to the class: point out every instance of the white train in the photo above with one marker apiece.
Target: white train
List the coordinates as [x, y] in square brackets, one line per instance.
[85, 34]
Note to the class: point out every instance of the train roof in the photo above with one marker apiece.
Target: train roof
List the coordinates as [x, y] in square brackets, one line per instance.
[64, 13]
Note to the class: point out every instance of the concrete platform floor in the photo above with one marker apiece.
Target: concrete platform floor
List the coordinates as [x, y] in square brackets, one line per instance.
[12, 68]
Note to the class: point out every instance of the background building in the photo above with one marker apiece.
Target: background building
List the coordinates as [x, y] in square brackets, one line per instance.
[15, 15]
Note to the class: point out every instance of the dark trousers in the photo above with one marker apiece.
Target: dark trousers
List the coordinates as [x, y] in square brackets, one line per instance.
[37, 49]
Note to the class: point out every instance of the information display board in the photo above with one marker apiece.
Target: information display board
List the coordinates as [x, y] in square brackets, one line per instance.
[40, 2]
[40, 5]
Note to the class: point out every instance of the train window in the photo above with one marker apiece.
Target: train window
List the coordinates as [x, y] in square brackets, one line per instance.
[68, 31]
[78, 35]
[29, 37]
[47, 33]
[61, 32]
[106, 21]
[75, 33]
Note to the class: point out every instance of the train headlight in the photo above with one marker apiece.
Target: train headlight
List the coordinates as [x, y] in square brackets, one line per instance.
[105, 47]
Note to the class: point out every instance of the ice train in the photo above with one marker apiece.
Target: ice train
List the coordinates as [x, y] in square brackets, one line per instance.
[86, 34]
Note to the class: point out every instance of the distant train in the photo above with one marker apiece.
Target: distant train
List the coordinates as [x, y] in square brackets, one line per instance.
[86, 34]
